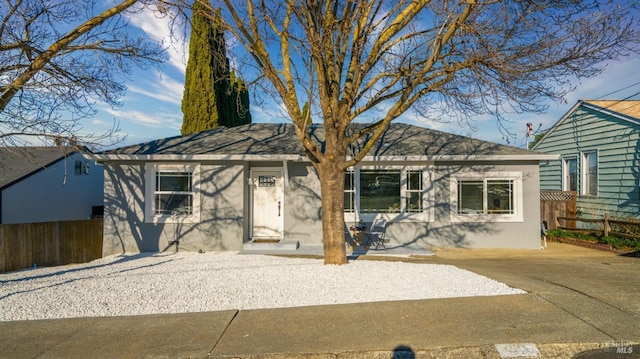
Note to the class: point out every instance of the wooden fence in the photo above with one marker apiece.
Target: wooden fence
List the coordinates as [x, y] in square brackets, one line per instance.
[554, 204]
[606, 226]
[49, 243]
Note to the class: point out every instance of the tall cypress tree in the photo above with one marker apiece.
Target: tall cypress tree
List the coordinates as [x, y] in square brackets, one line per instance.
[213, 95]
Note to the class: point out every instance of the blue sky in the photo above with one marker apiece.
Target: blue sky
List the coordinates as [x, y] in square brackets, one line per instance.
[151, 106]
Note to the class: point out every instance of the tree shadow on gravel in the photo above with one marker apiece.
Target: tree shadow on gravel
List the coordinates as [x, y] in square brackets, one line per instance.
[121, 259]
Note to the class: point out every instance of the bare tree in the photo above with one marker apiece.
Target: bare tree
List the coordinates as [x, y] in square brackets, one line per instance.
[335, 62]
[57, 59]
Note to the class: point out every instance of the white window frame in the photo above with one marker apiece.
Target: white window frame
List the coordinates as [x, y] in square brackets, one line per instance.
[584, 173]
[351, 190]
[518, 208]
[425, 215]
[151, 169]
[565, 172]
[408, 192]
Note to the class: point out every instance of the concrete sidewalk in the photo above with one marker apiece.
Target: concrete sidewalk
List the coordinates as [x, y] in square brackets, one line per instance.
[578, 300]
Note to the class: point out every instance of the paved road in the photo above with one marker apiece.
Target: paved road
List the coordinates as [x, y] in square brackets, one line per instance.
[577, 300]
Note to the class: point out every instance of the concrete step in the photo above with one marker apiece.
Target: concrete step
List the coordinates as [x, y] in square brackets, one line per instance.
[290, 245]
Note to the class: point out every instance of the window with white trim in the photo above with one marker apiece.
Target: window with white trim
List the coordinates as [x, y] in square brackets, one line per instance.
[390, 190]
[172, 193]
[570, 174]
[414, 192]
[380, 191]
[491, 197]
[589, 167]
[349, 192]
[486, 196]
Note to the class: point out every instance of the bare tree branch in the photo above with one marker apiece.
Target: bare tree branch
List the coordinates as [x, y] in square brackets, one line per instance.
[50, 80]
[340, 62]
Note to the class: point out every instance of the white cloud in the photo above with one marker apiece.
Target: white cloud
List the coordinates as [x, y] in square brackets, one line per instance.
[163, 89]
[156, 120]
[157, 27]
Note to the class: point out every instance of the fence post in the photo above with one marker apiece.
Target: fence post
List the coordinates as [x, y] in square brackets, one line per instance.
[606, 224]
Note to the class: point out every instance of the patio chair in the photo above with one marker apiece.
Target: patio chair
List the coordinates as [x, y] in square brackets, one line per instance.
[375, 235]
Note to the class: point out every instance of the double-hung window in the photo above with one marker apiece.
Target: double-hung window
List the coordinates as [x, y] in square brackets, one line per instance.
[491, 197]
[349, 192]
[414, 192]
[589, 166]
[172, 193]
[570, 174]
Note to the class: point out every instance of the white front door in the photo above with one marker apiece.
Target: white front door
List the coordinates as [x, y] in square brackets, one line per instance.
[268, 199]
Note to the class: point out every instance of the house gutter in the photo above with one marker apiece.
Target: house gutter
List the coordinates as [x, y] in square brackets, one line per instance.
[302, 158]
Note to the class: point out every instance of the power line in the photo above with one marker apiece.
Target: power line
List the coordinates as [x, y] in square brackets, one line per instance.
[622, 89]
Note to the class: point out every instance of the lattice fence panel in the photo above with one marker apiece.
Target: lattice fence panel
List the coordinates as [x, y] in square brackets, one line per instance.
[557, 196]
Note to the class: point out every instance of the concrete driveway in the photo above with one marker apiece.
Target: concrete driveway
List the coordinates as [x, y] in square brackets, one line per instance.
[601, 288]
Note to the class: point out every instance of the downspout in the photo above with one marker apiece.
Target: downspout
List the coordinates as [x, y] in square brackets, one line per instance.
[64, 180]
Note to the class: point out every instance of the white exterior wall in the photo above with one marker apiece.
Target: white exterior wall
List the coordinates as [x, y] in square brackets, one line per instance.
[224, 205]
[221, 226]
[54, 194]
[443, 232]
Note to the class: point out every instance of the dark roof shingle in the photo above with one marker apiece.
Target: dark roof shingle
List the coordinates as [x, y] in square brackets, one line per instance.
[19, 162]
[280, 139]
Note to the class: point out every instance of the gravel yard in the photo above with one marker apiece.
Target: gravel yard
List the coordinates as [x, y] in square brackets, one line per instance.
[193, 282]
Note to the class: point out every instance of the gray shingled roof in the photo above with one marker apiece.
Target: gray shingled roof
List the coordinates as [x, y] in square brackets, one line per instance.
[19, 162]
[280, 139]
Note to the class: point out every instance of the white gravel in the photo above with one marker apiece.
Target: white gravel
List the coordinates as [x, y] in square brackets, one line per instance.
[194, 282]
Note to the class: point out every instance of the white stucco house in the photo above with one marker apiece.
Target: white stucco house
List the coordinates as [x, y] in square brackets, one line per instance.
[226, 188]
[43, 184]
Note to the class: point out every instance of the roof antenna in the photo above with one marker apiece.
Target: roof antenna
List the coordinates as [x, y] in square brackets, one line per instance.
[529, 132]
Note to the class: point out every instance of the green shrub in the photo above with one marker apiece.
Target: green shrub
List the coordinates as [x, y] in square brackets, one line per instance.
[614, 242]
[620, 243]
[591, 237]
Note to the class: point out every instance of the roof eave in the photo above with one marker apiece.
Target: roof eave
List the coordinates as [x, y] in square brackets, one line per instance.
[198, 157]
[301, 157]
[611, 113]
[461, 158]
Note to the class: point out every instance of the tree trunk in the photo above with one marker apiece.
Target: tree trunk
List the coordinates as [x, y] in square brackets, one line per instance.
[332, 194]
